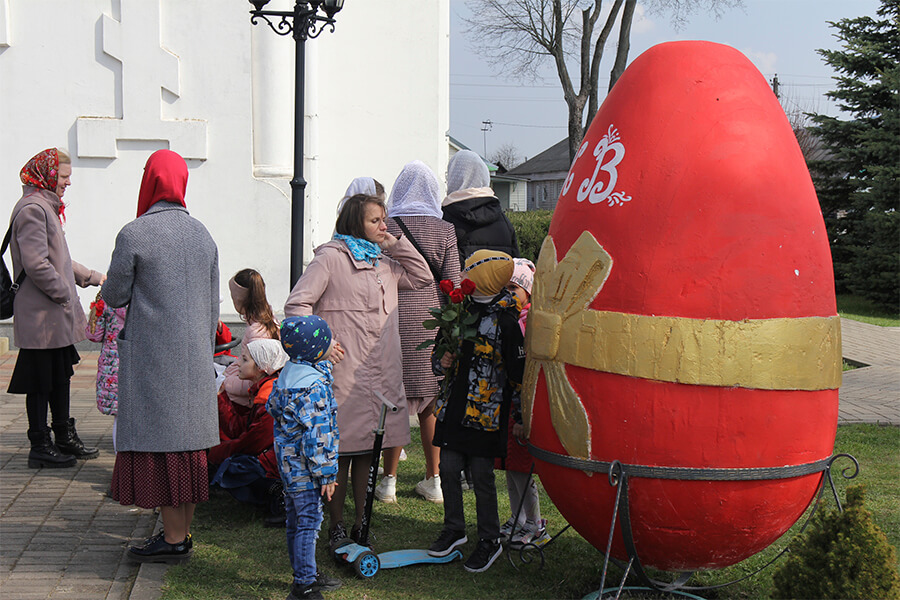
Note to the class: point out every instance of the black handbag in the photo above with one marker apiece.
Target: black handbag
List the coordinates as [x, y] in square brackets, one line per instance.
[8, 289]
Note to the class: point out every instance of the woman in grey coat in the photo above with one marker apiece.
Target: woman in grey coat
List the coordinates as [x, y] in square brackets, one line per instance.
[49, 319]
[165, 268]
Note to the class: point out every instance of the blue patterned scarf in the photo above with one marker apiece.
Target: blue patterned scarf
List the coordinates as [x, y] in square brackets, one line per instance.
[361, 249]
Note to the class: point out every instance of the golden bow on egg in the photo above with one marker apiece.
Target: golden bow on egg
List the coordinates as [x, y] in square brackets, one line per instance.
[562, 291]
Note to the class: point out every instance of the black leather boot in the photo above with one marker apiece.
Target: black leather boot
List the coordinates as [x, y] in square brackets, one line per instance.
[44, 452]
[68, 442]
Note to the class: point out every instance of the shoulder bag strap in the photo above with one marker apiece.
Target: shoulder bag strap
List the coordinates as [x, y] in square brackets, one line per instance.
[434, 272]
[15, 286]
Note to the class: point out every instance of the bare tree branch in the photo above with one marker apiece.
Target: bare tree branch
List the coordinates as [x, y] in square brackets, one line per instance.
[517, 37]
[624, 43]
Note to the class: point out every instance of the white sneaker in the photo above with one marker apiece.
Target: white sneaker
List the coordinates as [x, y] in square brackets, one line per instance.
[430, 489]
[532, 533]
[386, 491]
[506, 529]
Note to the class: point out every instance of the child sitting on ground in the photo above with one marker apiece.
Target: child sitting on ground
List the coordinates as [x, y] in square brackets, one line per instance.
[306, 444]
[243, 460]
[472, 416]
[525, 526]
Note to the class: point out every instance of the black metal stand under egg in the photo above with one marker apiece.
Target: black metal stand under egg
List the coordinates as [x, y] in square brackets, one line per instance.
[619, 474]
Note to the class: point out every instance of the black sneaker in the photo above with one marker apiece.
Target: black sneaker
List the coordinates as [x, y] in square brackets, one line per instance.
[157, 549]
[305, 592]
[324, 583]
[447, 541]
[338, 536]
[486, 552]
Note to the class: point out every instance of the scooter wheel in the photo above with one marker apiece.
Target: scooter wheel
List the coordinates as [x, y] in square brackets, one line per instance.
[367, 564]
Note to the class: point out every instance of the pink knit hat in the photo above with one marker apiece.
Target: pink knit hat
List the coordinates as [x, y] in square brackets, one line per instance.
[523, 274]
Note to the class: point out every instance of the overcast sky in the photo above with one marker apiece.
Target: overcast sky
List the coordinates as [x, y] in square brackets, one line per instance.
[779, 36]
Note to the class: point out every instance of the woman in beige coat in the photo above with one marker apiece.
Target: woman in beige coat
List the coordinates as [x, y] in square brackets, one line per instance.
[353, 285]
[49, 320]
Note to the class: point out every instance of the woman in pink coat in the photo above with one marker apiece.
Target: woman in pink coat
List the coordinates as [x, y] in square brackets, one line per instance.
[352, 283]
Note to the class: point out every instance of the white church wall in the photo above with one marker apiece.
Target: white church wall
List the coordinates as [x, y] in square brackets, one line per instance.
[114, 80]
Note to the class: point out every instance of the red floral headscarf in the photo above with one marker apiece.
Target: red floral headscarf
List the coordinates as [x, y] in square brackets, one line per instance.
[42, 171]
[165, 178]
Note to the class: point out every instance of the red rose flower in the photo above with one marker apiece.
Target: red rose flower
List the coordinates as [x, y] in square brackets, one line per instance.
[456, 296]
[467, 286]
[446, 286]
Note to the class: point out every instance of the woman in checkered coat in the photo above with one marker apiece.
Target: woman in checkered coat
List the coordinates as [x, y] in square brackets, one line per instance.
[415, 204]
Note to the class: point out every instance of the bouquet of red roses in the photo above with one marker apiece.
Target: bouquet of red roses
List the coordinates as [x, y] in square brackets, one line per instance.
[453, 318]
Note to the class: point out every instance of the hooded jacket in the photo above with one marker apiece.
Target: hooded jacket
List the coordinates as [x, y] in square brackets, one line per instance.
[479, 222]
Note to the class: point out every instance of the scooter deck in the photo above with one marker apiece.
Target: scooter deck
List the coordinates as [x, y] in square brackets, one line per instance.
[404, 558]
[395, 559]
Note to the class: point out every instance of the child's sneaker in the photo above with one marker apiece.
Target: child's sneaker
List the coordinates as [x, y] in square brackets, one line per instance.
[338, 536]
[324, 583]
[486, 552]
[430, 489]
[386, 491]
[506, 529]
[447, 541]
[305, 592]
[533, 533]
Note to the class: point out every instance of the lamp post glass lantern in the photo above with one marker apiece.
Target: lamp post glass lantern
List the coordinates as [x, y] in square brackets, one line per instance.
[304, 22]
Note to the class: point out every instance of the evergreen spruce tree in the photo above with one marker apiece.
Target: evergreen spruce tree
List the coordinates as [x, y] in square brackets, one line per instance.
[842, 555]
[858, 183]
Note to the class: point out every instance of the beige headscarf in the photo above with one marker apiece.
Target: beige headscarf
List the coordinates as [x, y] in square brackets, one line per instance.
[268, 355]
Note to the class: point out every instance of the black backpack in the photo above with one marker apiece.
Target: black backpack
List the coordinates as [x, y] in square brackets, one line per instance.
[8, 289]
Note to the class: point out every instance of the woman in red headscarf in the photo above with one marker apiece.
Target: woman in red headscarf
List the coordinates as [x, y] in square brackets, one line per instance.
[49, 320]
[165, 268]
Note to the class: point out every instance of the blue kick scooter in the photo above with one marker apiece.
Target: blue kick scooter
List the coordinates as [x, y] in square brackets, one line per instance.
[365, 562]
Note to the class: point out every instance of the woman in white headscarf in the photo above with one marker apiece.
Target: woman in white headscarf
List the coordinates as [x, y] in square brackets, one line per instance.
[414, 209]
[474, 210]
[361, 185]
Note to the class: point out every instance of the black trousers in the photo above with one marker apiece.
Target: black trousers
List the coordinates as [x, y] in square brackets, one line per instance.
[44, 377]
[58, 402]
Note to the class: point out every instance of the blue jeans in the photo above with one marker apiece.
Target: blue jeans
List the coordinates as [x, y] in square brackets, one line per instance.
[303, 512]
[452, 462]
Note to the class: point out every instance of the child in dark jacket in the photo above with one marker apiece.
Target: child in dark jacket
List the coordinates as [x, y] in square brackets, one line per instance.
[473, 413]
[306, 444]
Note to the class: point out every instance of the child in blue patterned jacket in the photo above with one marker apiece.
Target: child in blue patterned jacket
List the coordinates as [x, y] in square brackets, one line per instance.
[306, 444]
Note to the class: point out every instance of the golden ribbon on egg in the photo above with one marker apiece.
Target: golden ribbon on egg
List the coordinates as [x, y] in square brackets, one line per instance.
[769, 354]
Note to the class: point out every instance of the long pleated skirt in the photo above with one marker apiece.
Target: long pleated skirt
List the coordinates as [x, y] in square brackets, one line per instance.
[151, 479]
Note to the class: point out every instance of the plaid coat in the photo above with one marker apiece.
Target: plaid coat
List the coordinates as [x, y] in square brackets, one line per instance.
[437, 239]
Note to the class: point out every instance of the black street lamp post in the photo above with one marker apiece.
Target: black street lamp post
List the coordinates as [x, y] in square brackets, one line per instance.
[303, 22]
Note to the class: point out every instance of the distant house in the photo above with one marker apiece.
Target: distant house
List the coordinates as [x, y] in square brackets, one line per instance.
[545, 174]
[509, 189]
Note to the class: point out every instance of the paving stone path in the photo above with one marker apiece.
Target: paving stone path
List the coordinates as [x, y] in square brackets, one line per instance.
[62, 537]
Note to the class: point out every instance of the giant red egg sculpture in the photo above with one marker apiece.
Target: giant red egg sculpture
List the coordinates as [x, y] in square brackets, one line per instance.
[683, 318]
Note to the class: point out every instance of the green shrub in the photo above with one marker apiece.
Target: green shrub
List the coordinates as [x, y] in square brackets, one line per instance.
[843, 555]
[531, 229]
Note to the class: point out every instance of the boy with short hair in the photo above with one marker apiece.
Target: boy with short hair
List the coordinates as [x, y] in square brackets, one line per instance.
[306, 444]
[473, 414]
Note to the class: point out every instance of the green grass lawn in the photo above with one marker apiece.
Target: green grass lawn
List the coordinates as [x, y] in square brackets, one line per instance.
[860, 309]
[236, 557]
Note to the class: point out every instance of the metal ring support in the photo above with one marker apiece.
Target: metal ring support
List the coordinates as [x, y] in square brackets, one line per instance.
[681, 473]
[619, 473]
